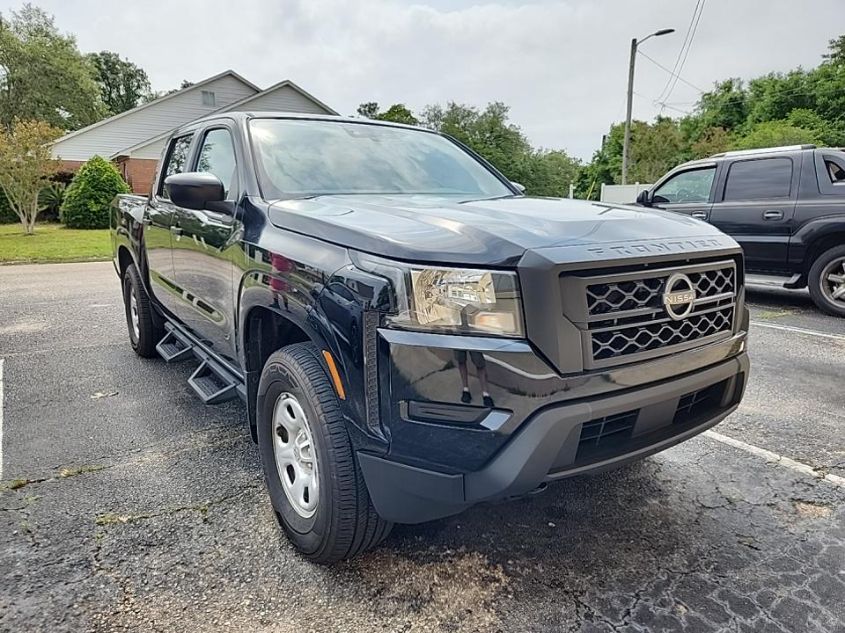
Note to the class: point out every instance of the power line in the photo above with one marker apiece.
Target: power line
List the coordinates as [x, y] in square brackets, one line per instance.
[686, 53]
[680, 50]
[666, 105]
[661, 66]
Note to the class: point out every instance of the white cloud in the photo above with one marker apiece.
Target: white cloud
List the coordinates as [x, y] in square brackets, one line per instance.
[561, 66]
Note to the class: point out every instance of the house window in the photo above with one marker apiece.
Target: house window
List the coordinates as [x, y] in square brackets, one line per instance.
[208, 98]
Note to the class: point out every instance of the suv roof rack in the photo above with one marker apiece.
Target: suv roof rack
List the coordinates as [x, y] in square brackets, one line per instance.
[763, 150]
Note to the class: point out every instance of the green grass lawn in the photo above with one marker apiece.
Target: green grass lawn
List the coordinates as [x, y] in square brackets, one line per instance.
[52, 243]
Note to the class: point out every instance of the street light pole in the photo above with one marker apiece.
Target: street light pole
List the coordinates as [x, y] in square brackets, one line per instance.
[627, 139]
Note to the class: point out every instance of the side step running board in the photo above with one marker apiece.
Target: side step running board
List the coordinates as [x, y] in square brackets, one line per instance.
[211, 381]
[773, 281]
[213, 384]
[174, 347]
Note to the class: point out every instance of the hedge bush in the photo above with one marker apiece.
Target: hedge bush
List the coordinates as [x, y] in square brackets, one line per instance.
[87, 199]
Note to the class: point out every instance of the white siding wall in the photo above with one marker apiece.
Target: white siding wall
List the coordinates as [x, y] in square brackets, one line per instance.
[282, 99]
[134, 127]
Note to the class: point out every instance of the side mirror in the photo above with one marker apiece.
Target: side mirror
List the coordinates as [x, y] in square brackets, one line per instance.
[642, 198]
[194, 190]
[519, 186]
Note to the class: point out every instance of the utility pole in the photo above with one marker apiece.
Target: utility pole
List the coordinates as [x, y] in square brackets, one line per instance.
[626, 143]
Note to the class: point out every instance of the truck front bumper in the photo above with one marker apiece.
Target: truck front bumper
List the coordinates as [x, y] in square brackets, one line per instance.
[561, 440]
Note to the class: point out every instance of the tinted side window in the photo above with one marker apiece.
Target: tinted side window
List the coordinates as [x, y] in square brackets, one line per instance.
[217, 156]
[688, 186]
[835, 171]
[759, 179]
[177, 159]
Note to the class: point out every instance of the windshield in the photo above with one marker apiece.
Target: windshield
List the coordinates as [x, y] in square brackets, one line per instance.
[298, 158]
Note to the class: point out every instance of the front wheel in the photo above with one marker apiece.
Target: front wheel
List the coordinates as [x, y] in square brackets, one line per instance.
[313, 478]
[827, 281]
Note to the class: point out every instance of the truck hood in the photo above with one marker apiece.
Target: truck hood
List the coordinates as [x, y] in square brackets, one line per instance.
[493, 232]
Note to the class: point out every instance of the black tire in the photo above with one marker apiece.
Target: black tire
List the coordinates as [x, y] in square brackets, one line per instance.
[149, 332]
[819, 284]
[344, 522]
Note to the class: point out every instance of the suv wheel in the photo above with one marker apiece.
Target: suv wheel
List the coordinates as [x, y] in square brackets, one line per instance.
[313, 478]
[827, 281]
[144, 331]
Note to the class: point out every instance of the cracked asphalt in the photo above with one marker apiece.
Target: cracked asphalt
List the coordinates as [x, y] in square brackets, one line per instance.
[128, 505]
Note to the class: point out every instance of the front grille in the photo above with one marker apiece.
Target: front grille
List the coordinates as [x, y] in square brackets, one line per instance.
[616, 342]
[628, 315]
[606, 434]
[622, 296]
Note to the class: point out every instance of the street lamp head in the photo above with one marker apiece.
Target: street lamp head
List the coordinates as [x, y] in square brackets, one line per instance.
[663, 32]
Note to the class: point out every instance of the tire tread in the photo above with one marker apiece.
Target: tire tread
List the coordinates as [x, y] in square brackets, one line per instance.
[358, 527]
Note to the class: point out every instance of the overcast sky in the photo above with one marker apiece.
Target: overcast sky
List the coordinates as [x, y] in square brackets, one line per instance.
[560, 65]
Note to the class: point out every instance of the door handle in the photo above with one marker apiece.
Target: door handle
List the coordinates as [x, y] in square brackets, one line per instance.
[773, 214]
[699, 215]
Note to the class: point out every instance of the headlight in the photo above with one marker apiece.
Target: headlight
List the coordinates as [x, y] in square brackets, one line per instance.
[450, 300]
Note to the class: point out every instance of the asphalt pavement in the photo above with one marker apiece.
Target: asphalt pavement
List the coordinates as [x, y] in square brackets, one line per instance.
[126, 504]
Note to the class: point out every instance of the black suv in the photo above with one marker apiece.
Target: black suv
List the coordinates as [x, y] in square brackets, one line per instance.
[784, 205]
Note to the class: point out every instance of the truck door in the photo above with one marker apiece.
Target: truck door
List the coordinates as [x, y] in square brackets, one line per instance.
[756, 206]
[159, 218]
[688, 192]
[204, 248]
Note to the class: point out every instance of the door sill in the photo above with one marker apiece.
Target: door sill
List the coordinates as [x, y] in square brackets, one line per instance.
[775, 281]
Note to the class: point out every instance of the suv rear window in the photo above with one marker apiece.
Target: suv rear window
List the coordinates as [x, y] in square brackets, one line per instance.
[759, 179]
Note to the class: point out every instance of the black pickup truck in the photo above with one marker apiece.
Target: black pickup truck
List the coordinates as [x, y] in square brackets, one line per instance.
[784, 205]
[410, 334]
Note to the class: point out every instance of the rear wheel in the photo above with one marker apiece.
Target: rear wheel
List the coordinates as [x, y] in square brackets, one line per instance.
[827, 281]
[315, 485]
[144, 330]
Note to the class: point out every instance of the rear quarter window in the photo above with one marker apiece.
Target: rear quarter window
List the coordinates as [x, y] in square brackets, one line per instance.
[759, 179]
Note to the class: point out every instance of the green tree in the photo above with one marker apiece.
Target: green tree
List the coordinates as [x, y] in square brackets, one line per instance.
[488, 132]
[726, 106]
[773, 96]
[605, 166]
[26, 167]
[89, 195]
[655, 149]
[123, 85]
[368, 110]
[397, 113]
[776, 133]
[43, 76]
[713, 141]
[549, 173]
[835, 51]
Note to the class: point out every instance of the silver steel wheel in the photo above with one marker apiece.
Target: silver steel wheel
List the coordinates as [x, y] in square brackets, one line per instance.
[293, 449]
[833, 280]
[133, 314]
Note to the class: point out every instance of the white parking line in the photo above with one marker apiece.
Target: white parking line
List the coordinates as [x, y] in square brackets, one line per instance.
[1, 419]
[774, 458]
[799, 330]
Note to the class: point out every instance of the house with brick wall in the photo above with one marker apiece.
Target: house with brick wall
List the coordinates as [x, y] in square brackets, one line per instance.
[135, 139]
